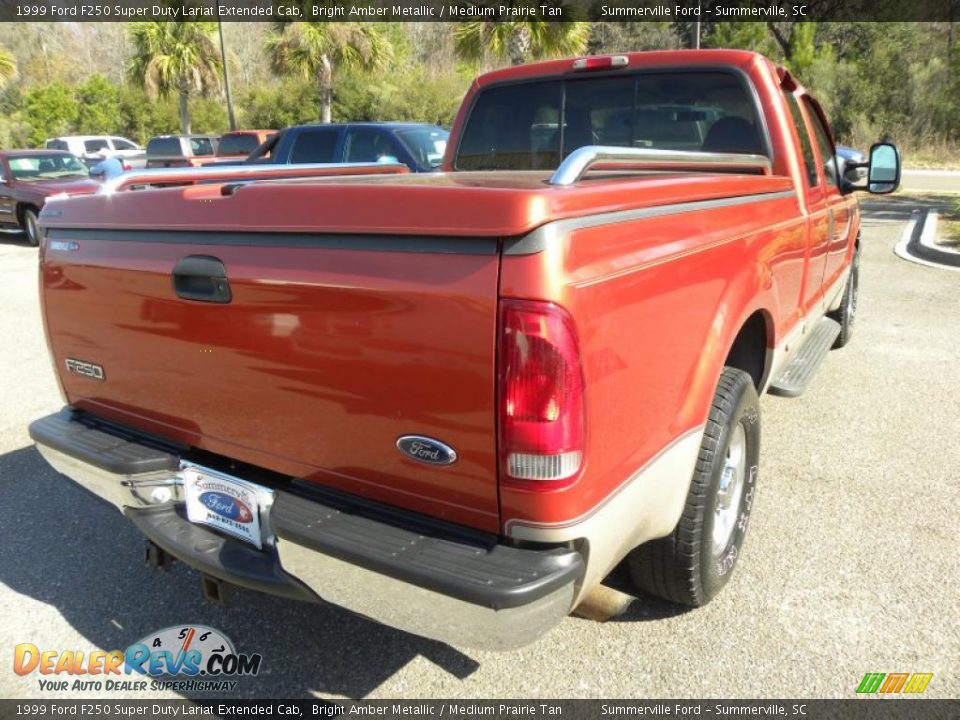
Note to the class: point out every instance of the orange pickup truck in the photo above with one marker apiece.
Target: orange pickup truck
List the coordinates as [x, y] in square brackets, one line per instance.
[454, 402]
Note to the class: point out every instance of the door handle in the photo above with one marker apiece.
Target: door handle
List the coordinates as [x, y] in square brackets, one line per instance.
[203, 278]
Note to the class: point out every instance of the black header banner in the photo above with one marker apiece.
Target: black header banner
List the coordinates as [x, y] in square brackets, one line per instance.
[489, 10]
[863, 709]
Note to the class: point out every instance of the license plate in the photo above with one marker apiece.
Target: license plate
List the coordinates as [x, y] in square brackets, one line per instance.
[226, 503]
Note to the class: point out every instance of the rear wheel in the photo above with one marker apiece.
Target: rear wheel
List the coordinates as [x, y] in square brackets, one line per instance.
[692, 564]
[847, 312]
[31, 226]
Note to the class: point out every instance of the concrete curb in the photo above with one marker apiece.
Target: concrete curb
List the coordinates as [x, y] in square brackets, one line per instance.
[917, 244]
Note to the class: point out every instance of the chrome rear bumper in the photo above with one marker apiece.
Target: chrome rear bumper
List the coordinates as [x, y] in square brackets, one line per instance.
[441, 581]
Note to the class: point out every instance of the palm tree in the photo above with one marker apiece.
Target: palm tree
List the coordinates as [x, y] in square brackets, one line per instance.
[316, 50]
[8, 66]
[520, 42]
[179, 57]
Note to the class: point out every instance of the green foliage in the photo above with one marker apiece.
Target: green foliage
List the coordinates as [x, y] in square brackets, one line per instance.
[897, 80]
[739, 35]
[412, 96]
[51, 110]
[175, 57]
[8, 66]
[518, 42]
[98, 108]
[291, 102]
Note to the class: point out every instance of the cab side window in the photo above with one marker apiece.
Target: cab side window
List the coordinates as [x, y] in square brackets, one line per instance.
[809, 162]
[314, 146]
[827, 153]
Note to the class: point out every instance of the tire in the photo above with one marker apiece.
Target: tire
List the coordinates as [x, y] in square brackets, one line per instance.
[847, 312]
[31, 227]
[692, 564]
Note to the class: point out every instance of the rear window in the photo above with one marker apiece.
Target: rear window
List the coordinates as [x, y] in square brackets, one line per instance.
[242, 144]
[57, 145]
[164, 146]
[534, 125]
[314, 146]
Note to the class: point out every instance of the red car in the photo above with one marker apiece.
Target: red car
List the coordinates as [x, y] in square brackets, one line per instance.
[238, 144]
[453, 402]
[28, 178]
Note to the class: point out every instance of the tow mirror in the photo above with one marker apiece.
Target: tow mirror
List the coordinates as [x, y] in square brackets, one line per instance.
[883, 171]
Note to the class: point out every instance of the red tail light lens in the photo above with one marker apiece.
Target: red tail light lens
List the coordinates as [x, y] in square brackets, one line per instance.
[540, 392]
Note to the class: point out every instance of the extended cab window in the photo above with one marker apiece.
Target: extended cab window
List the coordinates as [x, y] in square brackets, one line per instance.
[809, 163]
[825, 145]
[534, 125]
[314, 146]
[364, 145]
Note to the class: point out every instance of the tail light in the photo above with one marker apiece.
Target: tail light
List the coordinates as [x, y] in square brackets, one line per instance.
[541, 400]
[601, 62]
[125, 165]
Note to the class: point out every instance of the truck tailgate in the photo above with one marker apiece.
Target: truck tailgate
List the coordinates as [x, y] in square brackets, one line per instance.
[330, 348]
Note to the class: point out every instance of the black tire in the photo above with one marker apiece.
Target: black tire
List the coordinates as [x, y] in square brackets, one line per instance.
[31, 227]
[690, 566]
[847, 312]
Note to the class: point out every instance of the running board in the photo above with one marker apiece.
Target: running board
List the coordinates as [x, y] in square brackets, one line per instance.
[798, 374]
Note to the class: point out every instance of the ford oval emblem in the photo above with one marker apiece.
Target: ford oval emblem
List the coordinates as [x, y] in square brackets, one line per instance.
[426, 450]
[226, 506]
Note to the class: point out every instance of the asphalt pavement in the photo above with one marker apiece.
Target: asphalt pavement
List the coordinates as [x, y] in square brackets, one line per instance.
[850, 565]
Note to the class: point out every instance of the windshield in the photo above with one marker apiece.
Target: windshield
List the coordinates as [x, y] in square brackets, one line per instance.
[534, 125]
[427, 145]
[49, 166]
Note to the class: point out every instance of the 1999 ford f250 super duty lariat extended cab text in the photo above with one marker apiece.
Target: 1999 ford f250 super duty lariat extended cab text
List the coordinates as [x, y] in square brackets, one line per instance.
[454, 402]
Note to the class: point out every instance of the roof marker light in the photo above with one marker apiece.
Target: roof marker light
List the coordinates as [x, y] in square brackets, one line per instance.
[601, 62]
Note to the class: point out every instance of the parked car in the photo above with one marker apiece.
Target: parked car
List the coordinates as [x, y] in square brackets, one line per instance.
[166, 151]
[94, 148]
[418, 146]
[238, 144]
[28, 178]
[453, 403]
[852, 156]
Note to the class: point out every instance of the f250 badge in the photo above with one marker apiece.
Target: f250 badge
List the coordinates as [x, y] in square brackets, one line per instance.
[426, 450]
[86, 369]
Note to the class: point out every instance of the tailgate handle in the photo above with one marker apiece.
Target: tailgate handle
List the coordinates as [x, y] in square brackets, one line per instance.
[203, 278]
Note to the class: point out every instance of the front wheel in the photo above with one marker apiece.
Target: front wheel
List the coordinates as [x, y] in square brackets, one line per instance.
[692, 564]
[847, 312]
[31, 227]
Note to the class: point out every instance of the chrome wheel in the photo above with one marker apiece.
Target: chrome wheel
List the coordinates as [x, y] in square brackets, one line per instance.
[732, 480]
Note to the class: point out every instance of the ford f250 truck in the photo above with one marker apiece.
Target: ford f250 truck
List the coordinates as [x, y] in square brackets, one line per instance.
[454, 402]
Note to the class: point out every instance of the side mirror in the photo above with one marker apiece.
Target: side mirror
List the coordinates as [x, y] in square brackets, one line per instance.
[883, 171]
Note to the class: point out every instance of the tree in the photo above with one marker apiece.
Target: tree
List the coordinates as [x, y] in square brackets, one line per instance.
[175, 57]
[520, 42]
[8, 66]
[51, 110]
[316, 50]
[98, 106]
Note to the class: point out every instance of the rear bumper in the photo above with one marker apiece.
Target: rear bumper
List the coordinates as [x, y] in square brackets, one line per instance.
[442, 581]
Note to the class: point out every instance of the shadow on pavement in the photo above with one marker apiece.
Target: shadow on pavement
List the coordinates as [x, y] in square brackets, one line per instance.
[66, 548]
[15, 239]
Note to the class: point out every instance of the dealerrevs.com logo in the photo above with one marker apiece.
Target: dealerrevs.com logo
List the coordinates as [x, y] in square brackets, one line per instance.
[183, 658]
